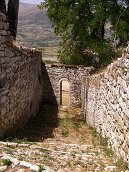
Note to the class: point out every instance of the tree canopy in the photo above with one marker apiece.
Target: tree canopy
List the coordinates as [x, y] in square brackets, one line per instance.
[83, 28]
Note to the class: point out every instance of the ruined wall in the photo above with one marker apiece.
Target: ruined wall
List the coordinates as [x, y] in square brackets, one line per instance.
[20, 82]
[106, 104]
[56, 73]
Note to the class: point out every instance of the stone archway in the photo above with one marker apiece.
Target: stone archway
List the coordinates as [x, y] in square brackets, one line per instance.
[74, 75]
[64, 92]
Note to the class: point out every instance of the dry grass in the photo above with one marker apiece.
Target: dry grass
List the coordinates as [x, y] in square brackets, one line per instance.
[72, 126]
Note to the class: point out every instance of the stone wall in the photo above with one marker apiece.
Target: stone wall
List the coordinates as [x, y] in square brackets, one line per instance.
[55, 74]
[106, 104]
[20, 82]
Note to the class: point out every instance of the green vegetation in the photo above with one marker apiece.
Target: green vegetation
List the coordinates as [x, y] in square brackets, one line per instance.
[40, 169]
[98, 139]
[89, 30]
[6, 162]
[46, 151]
[122, 165]
[8, 150]
[18, 140]
[64, 132]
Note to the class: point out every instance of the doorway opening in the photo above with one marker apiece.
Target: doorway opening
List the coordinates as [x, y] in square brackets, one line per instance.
[64, 92]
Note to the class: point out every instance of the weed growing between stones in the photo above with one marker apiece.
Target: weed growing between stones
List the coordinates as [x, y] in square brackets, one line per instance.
[121, 164]
[20, 158]
[64, 133]
[18, 140]
[46, 151]
[103, 142]
[6, 162]
[8, 150]
[40, 168]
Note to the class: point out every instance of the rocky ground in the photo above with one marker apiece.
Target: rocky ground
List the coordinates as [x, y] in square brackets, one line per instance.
[58, 141]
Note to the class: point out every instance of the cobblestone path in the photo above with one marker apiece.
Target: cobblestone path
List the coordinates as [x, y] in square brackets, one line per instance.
[65, 144]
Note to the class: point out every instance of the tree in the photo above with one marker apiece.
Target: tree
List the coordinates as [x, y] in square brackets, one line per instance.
[120, 21]
[81, 24]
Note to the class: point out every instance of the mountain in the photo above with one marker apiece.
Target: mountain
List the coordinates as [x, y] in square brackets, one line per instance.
[24, 7]
[30, 14]
[34, 27]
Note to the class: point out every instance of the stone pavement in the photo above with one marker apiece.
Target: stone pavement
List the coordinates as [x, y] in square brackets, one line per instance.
[71, 149]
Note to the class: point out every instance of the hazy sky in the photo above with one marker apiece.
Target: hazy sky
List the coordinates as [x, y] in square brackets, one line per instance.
[31, 1]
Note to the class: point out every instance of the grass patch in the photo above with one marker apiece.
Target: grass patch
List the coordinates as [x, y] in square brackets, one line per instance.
[46, 151]
[40, 168]
[122, 165]
[11, 146]
[97, 140]
[6, 162]
[64, 133]
[94, 133]
[8, 150]
[18, 140]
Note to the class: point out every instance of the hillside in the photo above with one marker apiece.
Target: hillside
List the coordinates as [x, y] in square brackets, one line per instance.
[24, 7]
[35, 29]
[30, 14]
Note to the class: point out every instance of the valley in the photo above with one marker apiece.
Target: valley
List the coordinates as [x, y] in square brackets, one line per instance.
[36, 31]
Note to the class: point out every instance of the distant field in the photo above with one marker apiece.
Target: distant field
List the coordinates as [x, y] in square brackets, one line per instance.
[35, 35]
[41, 37]
[36, 31]
[50, 53]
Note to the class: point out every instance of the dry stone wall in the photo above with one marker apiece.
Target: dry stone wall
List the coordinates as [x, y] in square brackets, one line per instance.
[106, 104]
[20, 82]
[74, 75]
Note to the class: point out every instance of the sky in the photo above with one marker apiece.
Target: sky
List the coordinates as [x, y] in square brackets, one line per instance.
[31, 1]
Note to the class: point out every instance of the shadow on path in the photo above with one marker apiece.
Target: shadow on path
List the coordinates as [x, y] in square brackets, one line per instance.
[43, 124]
[40, 127]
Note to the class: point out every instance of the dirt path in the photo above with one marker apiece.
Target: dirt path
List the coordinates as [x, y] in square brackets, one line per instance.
[58, 141]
